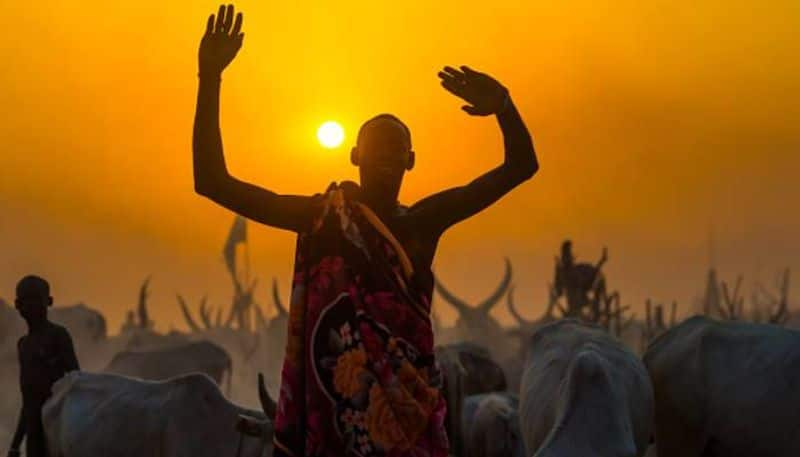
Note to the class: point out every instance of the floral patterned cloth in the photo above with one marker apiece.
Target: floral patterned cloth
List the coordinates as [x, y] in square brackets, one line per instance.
[359, 377]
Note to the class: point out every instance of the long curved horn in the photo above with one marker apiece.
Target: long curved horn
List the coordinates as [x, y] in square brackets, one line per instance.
[218, 319]
[144, 320]
[455, 302]
[512, 308]
[232, 313]
[487, 304]
[276, 298]
[672, 313]
[267, 403]
[187, 315]
[205, 313]
[260, 319]
[777, 308]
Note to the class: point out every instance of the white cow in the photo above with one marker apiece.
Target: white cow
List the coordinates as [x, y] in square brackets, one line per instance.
[583, 394]
[115, 416]
[726, 389]
[490, 424]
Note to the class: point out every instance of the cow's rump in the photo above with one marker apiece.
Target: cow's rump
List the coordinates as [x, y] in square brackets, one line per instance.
[114, 416]
[726, 388]
[583, 393]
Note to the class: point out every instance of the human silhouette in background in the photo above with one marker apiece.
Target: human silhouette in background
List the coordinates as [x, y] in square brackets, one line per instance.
[576, 281]
[46, 353]
[383, 153]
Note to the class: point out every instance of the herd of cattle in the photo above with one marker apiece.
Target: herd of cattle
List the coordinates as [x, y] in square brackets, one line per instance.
[559, 388]
[705, 388]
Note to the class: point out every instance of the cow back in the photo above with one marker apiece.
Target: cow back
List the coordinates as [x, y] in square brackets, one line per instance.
[116, 416]
[729, 385]
[570, 368]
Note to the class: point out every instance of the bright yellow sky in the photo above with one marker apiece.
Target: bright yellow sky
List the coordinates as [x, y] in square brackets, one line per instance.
[655, 124]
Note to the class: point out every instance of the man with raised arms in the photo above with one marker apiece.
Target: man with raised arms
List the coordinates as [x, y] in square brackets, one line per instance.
[359, 377]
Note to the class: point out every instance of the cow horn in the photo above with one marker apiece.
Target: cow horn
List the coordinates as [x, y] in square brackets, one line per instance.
[232, 313]
[487, 304]
[205, 313]
[144, 321]
[276, 298]
[262, 321]
[781, 315]
[512, 308]
[455, 302]
[218, 319]
[267, 403]
[187, 315]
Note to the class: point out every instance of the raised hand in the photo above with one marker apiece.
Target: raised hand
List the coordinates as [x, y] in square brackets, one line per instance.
[221, 42]
[484, 94]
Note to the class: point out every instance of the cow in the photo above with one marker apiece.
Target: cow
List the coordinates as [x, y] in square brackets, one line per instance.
[86, 325]
[454, 374]
[481, 373]
[138, 339]
[12, 327]
[468, 369]
[474, 322]
[83, 323]
[163, 363]
[583, 393]
[490, 425]
[94, 414]
[726, 389]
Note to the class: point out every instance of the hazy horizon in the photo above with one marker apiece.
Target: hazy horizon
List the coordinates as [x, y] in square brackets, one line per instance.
[657, 126]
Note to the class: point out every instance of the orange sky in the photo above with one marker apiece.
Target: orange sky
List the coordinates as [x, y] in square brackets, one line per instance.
[655, 124]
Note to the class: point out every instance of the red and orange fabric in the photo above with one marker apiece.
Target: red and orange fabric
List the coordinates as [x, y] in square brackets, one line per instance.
[359, 376]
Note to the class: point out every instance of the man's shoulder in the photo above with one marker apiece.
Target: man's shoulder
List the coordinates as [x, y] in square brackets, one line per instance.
[433, 201]
[59, 330]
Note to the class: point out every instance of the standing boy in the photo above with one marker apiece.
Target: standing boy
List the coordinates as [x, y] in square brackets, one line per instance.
[46, 353]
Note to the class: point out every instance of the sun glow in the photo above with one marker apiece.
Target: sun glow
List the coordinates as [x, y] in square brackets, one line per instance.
[330, 134]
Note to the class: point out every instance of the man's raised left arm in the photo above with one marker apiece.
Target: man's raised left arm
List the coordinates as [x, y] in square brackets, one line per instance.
[486, 97]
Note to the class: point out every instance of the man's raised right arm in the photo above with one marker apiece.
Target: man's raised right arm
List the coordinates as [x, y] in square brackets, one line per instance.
[219, 46]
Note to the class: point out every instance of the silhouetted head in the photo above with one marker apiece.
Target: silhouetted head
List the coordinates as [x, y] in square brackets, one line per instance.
[566, 253]
[33, 298]
[383, 154]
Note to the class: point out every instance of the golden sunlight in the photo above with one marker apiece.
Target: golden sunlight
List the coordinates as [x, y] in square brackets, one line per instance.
[330, 134]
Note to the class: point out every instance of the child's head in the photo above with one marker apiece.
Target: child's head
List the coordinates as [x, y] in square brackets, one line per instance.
[33, 298]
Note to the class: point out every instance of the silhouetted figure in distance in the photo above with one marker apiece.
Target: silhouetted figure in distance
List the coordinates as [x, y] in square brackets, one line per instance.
[46, 353]
[576, 281]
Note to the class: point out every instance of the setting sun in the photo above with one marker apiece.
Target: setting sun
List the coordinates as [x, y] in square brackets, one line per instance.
[330, 134]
